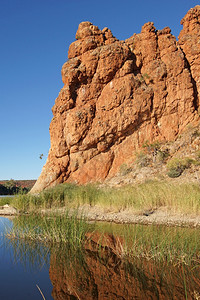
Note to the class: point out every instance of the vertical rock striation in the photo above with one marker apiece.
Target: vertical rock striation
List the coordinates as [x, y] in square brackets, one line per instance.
[119, 94]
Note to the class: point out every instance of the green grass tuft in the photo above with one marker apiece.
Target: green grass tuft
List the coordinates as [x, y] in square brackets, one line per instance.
[53, 229]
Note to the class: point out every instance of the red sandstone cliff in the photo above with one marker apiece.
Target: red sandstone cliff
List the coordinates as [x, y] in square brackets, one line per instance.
[119, 94]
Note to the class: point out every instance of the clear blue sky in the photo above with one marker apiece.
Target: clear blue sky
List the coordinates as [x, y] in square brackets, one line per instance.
[35, 36]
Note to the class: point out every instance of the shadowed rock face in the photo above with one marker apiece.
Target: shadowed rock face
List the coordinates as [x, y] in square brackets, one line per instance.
[119, 94]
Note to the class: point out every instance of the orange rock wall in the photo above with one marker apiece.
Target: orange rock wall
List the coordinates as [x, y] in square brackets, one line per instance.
[119, 94]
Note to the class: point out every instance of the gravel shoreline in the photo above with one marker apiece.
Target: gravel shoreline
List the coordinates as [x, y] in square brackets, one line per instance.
[160, 216]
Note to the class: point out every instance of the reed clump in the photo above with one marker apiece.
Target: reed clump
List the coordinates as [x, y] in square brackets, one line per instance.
[53, 229]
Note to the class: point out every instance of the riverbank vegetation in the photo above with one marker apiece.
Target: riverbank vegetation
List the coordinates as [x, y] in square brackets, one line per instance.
[181, 198]
[155, 243]
[149, 242]
[13, 187]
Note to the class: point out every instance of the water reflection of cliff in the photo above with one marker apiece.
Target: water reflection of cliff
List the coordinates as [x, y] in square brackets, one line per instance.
[102, 273]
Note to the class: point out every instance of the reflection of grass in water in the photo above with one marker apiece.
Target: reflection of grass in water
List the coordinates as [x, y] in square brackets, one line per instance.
[31, 254]
[158, 243]
[152, 194]
[167, 253]
[154, 276]
[74, 265]
[32, 236]
[155, 256]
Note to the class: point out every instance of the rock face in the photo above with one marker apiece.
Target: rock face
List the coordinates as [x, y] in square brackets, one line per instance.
[119, 94]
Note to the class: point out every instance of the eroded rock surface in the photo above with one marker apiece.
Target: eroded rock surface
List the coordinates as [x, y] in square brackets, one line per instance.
[119, 94]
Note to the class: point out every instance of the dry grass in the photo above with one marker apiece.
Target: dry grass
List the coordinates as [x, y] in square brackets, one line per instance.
[182, 198]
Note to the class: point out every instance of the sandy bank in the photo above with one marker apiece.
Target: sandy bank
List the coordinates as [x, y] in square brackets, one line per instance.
[160, 216]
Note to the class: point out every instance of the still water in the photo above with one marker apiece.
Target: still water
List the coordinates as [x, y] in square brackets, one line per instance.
[19, 277]
[62, 272]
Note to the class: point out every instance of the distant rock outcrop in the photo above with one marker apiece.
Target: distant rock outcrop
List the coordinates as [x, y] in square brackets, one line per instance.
[119, 94]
